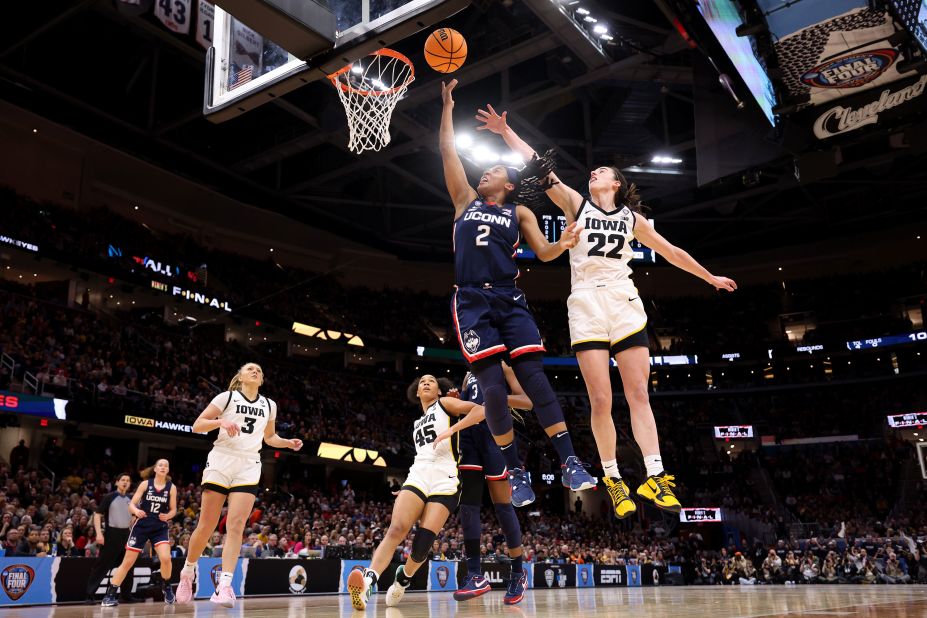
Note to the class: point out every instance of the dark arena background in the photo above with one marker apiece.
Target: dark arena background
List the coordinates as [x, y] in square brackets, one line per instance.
[178, 198]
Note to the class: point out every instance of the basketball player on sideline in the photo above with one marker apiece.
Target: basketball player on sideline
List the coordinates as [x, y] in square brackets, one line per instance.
[490, 313]
[245, 419]
[429, 494]
[606, 314]
[153, 506]
[480, 458]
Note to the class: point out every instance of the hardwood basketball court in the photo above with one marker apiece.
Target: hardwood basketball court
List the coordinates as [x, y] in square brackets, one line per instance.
[683, 602]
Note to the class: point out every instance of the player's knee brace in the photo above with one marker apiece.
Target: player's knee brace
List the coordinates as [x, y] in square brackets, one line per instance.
[421, 545]
[530, 373]
[491, 380]
[508, 520]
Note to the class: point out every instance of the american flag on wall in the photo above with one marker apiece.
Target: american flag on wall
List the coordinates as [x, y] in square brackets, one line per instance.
[243, 77]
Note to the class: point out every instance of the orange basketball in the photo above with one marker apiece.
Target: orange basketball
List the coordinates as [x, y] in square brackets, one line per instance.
[445, 50]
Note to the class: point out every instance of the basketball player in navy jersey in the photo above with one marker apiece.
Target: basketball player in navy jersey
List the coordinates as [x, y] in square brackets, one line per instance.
[153, 505]
[606, 315]
[480, 458]
[490, 313]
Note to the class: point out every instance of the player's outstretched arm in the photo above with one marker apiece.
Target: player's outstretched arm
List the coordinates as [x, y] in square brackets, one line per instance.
[644, 232]
[454, 175]
[472, 414]
[566, 198]
[546, 251]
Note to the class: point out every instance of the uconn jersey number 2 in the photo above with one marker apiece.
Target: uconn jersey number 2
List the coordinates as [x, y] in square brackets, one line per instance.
[490, 313]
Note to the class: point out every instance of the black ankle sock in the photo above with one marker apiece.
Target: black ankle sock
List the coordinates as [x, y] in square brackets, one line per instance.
[563, 444]
[401, 578]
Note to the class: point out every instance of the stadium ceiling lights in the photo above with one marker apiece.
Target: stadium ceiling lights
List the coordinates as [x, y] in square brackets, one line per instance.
[664, 160]
[481, 153]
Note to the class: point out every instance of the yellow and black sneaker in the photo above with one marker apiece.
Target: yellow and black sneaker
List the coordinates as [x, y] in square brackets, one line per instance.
[659, 491]
[622, 502]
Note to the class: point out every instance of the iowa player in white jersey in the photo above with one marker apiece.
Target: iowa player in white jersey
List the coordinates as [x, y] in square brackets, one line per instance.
[606, 314]
[245, 420]
[430, 492]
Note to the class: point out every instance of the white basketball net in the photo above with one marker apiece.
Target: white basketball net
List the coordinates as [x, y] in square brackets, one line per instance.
[369, 90]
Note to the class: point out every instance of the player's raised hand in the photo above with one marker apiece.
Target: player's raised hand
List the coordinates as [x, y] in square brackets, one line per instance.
[446, 90]
[230, 427]
[296, 444]
[492, 121]
[723, 283]
[570, 236]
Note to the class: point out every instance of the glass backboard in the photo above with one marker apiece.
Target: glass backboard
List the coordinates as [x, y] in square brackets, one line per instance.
[246, 68]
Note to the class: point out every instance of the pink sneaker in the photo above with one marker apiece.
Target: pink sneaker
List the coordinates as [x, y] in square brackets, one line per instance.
[224, 596]
[185, 588]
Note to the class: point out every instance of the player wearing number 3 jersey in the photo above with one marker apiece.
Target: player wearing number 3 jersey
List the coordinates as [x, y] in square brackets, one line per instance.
[490, 313]
[245, 420]
[606, 314]
[430, 492]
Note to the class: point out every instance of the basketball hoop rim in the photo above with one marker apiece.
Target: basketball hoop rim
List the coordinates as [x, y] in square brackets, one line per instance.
[375, 93]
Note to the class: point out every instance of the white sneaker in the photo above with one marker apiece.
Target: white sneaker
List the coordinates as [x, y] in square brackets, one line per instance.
[394, 595]
[359, 589]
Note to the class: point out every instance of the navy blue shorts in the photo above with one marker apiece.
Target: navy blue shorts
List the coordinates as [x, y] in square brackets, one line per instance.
[149, 528]
[478, 451]
[493, 321]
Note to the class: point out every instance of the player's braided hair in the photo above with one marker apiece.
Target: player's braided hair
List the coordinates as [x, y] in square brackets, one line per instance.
[533, 180]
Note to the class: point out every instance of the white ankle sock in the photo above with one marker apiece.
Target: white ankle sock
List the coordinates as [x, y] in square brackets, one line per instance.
[611, 468]
[654, 465]
[225, 579]
[189, 568]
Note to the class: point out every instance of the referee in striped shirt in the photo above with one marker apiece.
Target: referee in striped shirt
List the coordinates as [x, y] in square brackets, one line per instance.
[114, 509]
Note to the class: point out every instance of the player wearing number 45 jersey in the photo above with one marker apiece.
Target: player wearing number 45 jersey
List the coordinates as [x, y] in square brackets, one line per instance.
[245, 420]
[490, 313]
[606, 314]
[430, 492]
[153, 506]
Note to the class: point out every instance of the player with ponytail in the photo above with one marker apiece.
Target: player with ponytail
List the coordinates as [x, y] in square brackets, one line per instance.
[245, 420]
[153, 506]
[606, 315]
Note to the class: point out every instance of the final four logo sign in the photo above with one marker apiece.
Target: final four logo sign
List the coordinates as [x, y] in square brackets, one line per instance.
[16, 580]
[851, 71]
[584, 576]
[443, 575]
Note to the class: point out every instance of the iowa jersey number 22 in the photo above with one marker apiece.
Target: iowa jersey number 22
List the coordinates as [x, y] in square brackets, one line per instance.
[601, 241]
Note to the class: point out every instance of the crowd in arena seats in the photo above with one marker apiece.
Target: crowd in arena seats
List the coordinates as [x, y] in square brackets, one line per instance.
[318, 519]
